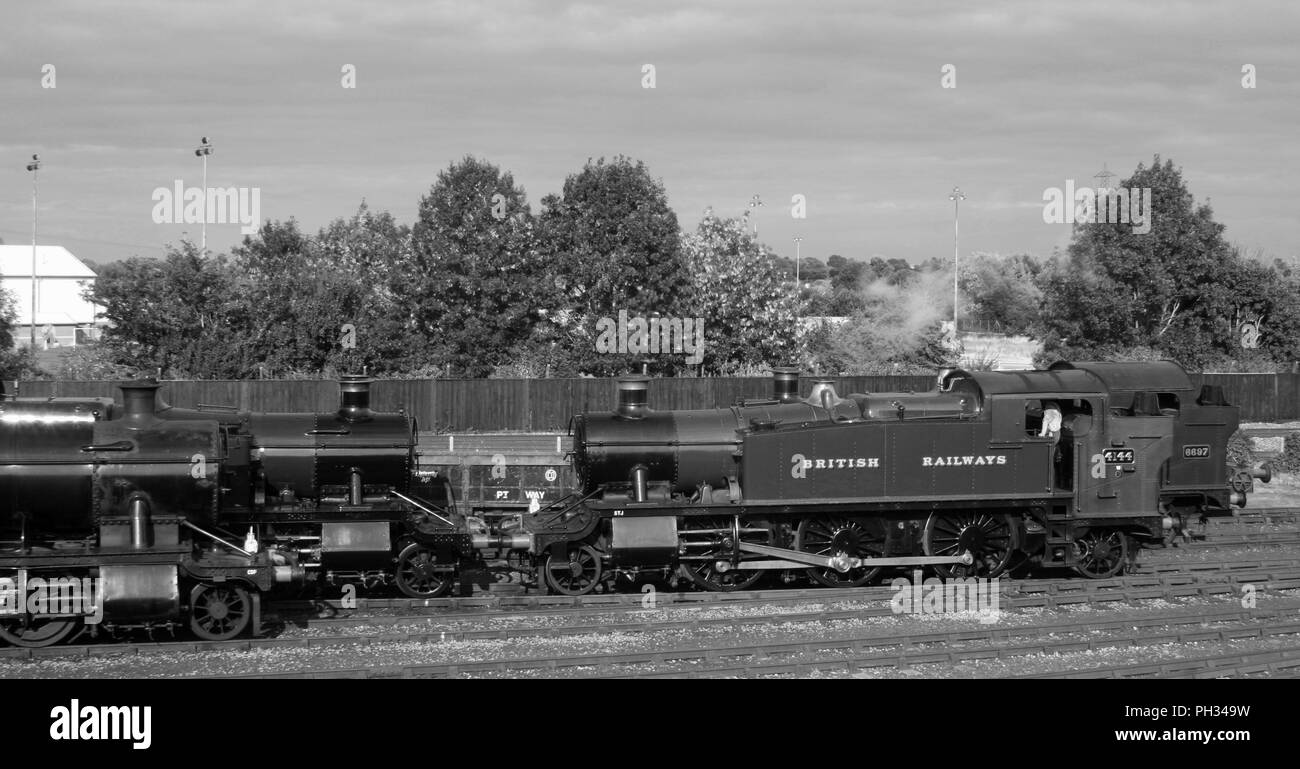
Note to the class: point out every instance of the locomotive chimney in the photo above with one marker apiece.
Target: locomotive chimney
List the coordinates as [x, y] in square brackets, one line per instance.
[139, 399]
[632, 395]
[354, 397]
[785, 384]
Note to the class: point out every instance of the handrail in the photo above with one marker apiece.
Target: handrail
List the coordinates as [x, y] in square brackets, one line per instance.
[561, 513]
[215, 538]
[422, 508]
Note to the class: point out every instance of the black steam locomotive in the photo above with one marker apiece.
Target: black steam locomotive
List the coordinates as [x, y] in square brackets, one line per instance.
[152, 516]
[168, 516]
[109, 521]
[964, 478]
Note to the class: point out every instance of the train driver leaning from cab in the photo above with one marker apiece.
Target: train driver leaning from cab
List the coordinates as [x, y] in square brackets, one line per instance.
[1051, 427]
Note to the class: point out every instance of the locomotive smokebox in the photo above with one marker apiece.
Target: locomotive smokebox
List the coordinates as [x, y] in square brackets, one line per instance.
[354, 397]
[785, 384]
[632, 397]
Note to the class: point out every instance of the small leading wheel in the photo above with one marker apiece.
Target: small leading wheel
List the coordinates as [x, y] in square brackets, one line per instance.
[419, 575]
[986, 536]
[838, 536]
[35, 632]
[709, 540]
[220, 612]
[577, 575]
[1100, 553]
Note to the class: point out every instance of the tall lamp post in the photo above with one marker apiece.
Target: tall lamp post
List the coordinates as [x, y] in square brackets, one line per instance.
[797, 241]
[205, 149]
[34, 167]
[956, 197]
[754, 203]
[798, 287]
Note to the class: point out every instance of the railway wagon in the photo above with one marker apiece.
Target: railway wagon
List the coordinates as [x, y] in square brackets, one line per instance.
[493, 475]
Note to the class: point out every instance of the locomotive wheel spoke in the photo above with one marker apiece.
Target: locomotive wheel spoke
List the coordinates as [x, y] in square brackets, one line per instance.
[833, 536]
[220, 612]
[578, 575]
[1101, 553]
[36, 632]
[418, 575]
[703, 570]
[986, 536]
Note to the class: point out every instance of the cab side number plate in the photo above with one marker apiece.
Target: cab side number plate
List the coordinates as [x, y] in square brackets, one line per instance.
[1118, 456]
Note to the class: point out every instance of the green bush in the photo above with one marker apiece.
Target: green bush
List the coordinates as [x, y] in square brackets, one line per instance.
[1289, 462]
[1240, 451]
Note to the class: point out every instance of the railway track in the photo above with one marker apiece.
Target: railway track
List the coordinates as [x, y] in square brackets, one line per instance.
[1248, 538]
[1274, 662]
[1046, 594]
[1257, 517]
[854, 651]
[1167, 579]
[775, 661]
[1265, 567]
[529, 613]
[827, 606]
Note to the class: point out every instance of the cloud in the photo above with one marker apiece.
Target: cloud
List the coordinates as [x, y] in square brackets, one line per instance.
[835, 101]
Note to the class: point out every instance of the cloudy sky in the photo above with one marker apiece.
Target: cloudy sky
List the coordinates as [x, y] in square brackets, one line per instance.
[841, 102]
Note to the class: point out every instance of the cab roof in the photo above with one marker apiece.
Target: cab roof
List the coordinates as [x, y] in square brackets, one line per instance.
[1156, 376]
[1035, 382]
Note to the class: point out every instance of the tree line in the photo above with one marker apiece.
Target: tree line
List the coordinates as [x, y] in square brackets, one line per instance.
[482, 286]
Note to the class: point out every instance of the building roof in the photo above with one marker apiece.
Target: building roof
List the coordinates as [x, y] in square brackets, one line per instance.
[51, 262]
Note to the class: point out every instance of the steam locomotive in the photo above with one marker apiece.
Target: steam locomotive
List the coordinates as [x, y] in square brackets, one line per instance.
[167, 516]
[109, 520]
[136, 518]
[963, 479]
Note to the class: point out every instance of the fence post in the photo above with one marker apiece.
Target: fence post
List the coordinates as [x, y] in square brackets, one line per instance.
[528, 405]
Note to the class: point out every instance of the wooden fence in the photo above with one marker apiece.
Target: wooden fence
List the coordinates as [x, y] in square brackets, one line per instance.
[544, 405]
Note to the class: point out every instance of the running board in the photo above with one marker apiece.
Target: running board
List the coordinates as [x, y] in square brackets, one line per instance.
[794, 559]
